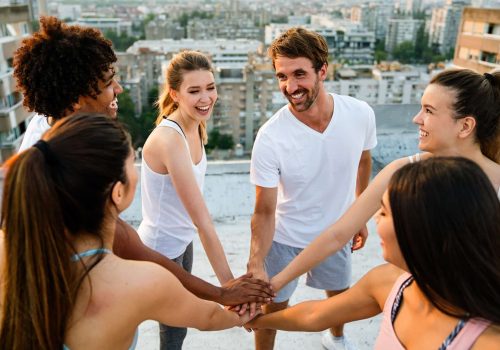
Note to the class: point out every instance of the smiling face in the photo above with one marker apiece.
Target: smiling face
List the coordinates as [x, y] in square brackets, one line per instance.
[438, 130]
[196, 95]
[106, 101]
[299, 81]
[385, 229]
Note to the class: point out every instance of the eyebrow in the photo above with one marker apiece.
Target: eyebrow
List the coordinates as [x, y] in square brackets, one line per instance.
[430, 106]
[198, 86]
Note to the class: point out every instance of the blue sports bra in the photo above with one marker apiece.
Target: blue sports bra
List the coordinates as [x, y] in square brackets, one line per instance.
[90, 252]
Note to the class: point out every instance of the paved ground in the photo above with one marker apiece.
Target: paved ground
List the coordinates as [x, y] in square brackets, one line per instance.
[235, 236]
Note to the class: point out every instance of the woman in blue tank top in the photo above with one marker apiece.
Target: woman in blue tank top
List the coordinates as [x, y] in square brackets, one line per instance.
[61, 285]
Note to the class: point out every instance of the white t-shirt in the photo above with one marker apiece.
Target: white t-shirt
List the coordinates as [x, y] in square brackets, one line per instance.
[36, 128]
[166, 225]
[315, 172]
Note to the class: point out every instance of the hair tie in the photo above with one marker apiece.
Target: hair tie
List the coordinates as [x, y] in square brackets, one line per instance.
[490, 78]
[43, 146]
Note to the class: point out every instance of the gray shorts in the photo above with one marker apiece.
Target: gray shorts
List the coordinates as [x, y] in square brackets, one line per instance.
[332, 274]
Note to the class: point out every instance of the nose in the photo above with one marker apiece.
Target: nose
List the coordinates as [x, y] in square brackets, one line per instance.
[417, 119]
[291, 86]
[118, 88]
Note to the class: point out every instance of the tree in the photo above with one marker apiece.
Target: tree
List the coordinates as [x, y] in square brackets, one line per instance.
[120, 42]
[140, 127]
[404, 52]
[218, 140]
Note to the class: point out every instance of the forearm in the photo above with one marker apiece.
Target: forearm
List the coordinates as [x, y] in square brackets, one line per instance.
[364, 173]
[219, 318]
[327, 243]
[215, 254]
[128, 245]
[262, 226]
[300, 317]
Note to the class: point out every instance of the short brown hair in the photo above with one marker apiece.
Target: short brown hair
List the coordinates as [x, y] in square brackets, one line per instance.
[299, 42]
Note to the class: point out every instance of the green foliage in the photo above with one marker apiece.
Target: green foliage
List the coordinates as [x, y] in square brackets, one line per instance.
[380, 56]
[185, 17]
[404, 52]
[218, 140]
[140, 127]
[120, 42]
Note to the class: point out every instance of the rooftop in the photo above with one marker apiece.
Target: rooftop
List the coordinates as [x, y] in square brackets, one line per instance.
[235, 237]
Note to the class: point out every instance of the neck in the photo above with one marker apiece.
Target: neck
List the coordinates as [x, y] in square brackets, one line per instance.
[86, 240]
[188, 125]
[469, 151]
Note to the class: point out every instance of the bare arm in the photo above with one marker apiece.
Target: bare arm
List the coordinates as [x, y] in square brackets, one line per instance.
[365, 299]
[337, 235]
[178, 307]
[128, 245]
[169, 147]
[362, 180]
[364, 172]
[262, 225]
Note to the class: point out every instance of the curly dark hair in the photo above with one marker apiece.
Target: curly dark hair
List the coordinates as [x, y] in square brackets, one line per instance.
[60, 63]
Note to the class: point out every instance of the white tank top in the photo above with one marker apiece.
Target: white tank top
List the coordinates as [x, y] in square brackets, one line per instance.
[166, 225]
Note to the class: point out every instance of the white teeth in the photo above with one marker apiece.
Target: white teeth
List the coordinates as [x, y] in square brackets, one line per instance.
[299, 95]
[423, 133]
[114, 103]
[206, 108]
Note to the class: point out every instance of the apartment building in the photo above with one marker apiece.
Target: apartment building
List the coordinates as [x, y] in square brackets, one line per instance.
[478, 41]
[14, 26]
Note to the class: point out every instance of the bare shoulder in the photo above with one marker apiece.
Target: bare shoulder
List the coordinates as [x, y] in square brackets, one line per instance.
[381, 279]
[162, 137]
[489, 339]
[146, 275]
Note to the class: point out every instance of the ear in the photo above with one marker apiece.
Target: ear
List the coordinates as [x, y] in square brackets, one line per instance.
[468, 126]
[173, 95]
[323, 71]
[118, 193]
[77, 106]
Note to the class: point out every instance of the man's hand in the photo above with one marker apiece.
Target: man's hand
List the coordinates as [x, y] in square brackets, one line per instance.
[359, 239]
[246, 289]
[260, 274]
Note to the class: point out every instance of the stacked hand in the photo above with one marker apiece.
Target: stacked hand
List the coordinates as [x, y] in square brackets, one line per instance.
[244, 290]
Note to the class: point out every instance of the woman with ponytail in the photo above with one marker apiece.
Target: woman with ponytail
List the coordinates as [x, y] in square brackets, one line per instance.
[61, 285]
[173, 170]
[460, 116]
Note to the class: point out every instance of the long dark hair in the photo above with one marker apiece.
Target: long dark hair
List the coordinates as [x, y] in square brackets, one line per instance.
[477, 95]
[446, 217]
[53, 192]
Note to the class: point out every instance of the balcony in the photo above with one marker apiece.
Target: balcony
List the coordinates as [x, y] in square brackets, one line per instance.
[12, 116]
[14, 13]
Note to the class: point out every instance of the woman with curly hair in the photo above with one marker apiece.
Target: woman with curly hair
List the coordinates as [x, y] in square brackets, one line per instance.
[64, 70]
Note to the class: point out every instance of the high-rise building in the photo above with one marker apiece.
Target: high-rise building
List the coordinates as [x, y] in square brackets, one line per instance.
[478, 42]
[401, 30]
[14, 26]
[444, 24]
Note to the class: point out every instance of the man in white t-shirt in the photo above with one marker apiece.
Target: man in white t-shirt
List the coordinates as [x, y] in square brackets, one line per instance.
[308, 163]
[81, 79]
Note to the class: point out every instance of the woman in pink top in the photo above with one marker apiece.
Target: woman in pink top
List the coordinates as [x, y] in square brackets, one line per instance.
[440, 235]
